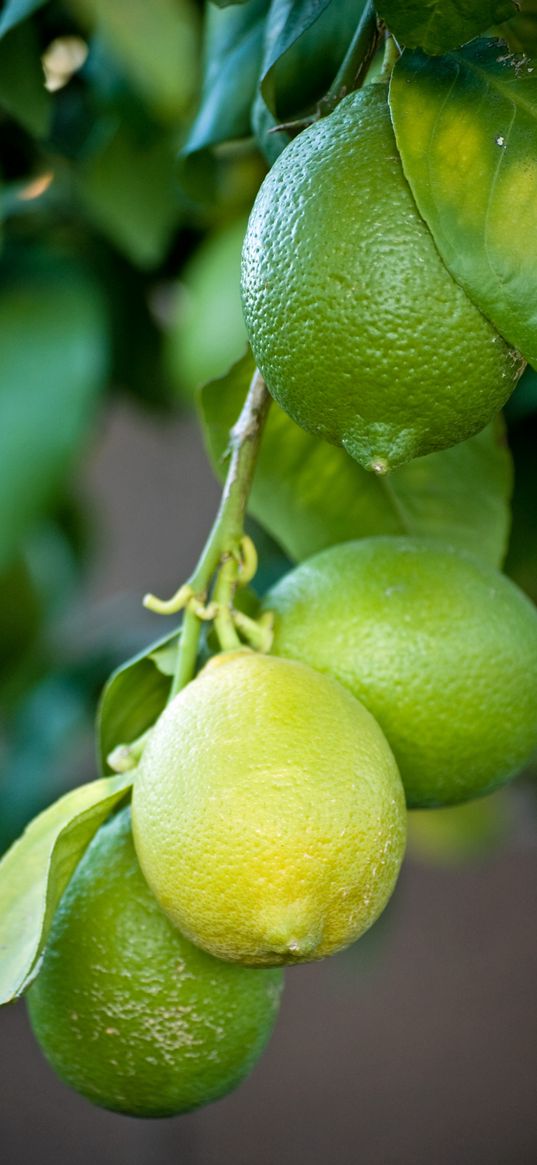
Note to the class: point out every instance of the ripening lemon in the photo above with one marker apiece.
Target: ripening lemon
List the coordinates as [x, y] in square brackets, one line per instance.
[441, 648]
[268, 813]
[361, 333]
[126, 1010]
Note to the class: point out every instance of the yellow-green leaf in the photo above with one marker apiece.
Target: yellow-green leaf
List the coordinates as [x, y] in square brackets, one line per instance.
[466, 128]
[36, 870]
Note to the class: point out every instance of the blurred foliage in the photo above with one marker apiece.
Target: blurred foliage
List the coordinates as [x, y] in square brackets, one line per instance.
[133, 139]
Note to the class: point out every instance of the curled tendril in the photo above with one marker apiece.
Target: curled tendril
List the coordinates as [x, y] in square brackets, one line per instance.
[178, 601]
[247, 561]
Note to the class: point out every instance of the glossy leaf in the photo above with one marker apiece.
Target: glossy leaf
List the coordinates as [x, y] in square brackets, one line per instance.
[22, 81]
[54, 343]
[439, 25]
[232, 61]
[305, 43]
[310, 495]
[303, 49]
[15, 11]
[466, 127]
[288, 21]
[36, 870]
[134, 697]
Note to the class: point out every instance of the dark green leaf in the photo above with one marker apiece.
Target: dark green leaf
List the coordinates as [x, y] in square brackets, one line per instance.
[271, 141]
[22, 81]
[228, 3]
[310, 495]
[466, 127]
[54, 344]
[521, 32]
[304, 45]
[36, 870]
[232, 61]
[439, 25]
[156, 43]
[287, 23]
[134, 697]
[17, 10]
[129, 191]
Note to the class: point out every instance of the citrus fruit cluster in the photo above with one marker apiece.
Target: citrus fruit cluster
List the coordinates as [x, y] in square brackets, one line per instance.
[269, 804]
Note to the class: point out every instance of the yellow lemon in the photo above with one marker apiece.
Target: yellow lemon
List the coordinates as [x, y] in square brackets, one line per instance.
[268, 813]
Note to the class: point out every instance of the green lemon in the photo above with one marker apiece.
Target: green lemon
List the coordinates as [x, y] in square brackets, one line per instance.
[441, 648]
[360, 331]
[268, 813]
[126, 1010]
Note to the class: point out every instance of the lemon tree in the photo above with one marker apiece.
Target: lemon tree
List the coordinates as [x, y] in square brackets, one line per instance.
[347, 647]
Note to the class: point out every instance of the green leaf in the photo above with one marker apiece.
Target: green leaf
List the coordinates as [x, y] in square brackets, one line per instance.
[22, 80]
[310, 495]
[36, 870]
[17, 10]
[165, 657]
[439, 25]
[54, 343]
[287, 23]
[134, 697]
[305, 43]
[156, 43]
[304, 46]
[466, 127]
[129, 191]
[228, 3]
[271, 142]
[521, 32]
[232, 61]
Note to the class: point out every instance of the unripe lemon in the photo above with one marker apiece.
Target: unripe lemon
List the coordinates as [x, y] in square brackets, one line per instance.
[126, 1010]
[361, 333]
[268, 813]
[441, 648]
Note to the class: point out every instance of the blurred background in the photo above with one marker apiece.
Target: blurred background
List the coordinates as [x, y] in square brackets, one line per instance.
[128, 170]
